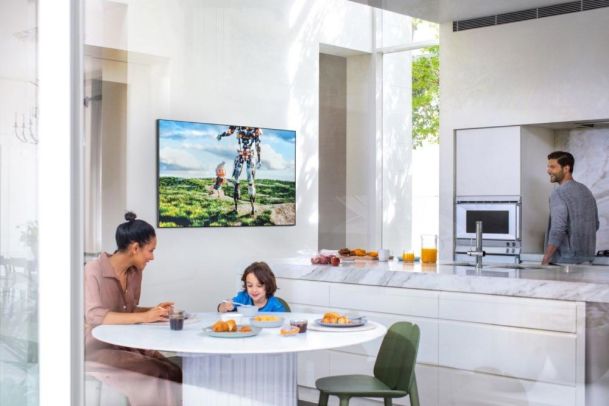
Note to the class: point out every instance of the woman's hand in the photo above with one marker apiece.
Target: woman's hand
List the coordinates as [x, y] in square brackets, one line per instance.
[166, 305]
[157, 313]
[226, 306]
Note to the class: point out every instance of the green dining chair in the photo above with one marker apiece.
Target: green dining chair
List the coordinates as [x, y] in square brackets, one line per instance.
[394, 375]
[284, 303]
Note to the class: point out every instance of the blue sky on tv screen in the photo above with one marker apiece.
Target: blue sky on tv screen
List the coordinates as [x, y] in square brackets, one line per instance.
[192, 150]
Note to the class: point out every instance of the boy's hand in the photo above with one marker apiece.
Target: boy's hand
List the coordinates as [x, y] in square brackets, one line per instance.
[226, 306]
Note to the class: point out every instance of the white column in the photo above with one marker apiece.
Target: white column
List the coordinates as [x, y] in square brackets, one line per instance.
[362, 183]
[60, 310]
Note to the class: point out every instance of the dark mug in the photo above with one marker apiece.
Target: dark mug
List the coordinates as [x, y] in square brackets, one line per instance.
[301, 324]
[176, 320]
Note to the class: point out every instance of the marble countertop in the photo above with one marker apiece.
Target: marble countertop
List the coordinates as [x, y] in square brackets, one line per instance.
[585, 283]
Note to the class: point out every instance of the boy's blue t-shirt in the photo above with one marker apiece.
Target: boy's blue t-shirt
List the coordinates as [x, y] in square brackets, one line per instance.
[272, 304]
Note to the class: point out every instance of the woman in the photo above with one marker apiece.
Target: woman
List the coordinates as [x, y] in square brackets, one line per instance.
[112, 293]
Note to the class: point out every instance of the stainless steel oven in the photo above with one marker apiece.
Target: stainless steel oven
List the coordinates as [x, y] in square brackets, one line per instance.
[500, 216]
[501, 226]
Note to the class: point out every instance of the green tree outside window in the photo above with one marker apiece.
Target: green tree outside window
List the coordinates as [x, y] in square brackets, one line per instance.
[426, 97]
[425, 88]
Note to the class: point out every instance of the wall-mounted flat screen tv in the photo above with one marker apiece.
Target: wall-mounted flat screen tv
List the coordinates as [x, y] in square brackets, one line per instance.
[216, 175]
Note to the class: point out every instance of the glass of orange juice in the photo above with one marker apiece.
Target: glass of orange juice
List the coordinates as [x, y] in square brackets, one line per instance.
[429, 248]
[408, 256]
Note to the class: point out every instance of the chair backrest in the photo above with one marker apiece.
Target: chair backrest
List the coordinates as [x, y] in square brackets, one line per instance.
[284, 303]
[397, 356]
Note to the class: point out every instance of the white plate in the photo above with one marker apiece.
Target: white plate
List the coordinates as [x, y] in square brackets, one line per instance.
[359, 323]
[225, 334]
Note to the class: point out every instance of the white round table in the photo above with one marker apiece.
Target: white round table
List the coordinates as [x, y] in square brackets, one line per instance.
[251, 371]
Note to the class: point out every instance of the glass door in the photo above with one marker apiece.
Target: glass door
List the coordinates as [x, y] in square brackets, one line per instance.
[18, 203]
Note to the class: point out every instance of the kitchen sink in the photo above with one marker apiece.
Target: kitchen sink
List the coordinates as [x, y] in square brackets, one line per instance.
[492, 266]
[516, 266]
[487, 271]
[525, 266]
[463, 263]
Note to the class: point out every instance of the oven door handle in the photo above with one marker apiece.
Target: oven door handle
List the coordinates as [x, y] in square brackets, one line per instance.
[518, 224]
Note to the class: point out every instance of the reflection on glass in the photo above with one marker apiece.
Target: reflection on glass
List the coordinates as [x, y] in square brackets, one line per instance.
[18, 210]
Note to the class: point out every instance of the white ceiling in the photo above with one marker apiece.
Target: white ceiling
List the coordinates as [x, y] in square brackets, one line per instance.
[442, 11]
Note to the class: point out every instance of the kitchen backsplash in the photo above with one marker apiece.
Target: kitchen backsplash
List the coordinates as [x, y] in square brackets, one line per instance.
[590, 147]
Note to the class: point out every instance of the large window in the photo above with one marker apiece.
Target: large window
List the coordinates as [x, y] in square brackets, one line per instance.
[425, 132]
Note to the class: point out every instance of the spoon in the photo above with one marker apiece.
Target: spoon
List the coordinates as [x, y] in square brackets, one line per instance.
[235, 303]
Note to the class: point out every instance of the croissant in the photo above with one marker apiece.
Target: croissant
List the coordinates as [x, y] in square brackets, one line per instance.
[289, 331]
[232, 325]
[220, 326]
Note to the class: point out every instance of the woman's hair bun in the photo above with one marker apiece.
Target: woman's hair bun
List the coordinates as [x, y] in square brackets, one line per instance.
[133, 230]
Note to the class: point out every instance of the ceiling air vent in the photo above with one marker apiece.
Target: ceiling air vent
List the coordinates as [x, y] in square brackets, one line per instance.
[592, 4]
[475, 23]
[529, 14]
[563, 8]
[517, 16]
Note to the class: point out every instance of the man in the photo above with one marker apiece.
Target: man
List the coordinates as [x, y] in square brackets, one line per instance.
[571, 236]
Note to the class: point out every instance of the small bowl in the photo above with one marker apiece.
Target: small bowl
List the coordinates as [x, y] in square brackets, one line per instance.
[247, 310]
[231, 316]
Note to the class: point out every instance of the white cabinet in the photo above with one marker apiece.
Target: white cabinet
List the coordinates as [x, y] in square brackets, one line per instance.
[474, 350]
[539, 314]
[305, 292]
[466, 388]
[419, 303]
[488, 161]
[508, 351]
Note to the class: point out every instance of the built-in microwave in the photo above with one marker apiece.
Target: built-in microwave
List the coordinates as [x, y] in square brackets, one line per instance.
[500, 216]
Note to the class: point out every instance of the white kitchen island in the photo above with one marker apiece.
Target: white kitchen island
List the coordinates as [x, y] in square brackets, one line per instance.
[502, 336]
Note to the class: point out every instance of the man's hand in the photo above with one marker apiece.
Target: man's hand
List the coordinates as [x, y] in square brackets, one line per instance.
[547, 256]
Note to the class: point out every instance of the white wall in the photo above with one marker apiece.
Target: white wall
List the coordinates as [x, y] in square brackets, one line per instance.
[538, 71]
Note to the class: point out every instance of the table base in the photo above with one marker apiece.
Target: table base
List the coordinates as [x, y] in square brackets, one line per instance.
[240, 380]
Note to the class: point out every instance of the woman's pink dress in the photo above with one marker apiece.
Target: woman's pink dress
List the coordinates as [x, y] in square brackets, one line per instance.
[146, 377]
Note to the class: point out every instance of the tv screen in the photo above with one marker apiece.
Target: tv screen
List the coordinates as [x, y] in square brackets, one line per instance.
[216, 175]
